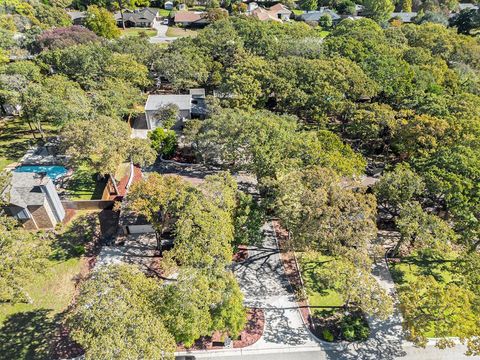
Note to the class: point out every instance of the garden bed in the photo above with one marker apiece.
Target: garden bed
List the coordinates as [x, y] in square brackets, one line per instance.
[251, 334]
[320, 308]
[334, 325]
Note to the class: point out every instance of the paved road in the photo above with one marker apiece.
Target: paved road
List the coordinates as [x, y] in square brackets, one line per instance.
[410, 353]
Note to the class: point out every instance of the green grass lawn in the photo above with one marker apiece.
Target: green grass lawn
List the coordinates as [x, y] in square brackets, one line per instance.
[180, 32]
[324, 33]
[52, 290]
[15, 139]
[298, 11]
[414, 266]
[137, 31]
[317, 296]
[83, 185]
[411, 267]
[28, 330]
[164, 13]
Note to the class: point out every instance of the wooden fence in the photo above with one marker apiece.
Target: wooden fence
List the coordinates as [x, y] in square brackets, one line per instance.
[87, 204]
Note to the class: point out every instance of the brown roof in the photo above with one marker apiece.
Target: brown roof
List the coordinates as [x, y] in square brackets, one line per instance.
[279, 7]
[263, 14]
[188, 16]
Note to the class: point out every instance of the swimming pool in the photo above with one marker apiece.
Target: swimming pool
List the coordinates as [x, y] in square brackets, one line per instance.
[53, 171]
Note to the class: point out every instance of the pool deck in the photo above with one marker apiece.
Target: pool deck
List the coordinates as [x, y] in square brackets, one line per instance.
[40, 156]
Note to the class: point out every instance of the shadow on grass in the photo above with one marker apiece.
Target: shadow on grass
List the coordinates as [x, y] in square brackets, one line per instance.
[84, 235]
[312, 281]
[77, 239]
[422, 265]
[84, 185]
[27, 335]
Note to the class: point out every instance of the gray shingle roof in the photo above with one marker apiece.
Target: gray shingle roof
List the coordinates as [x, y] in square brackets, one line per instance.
[141, 15]
[25, 189]
[154, 102]
[316, 15]
[404, 16]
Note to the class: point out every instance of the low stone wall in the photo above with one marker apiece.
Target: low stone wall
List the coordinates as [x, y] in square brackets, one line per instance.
[87, 204]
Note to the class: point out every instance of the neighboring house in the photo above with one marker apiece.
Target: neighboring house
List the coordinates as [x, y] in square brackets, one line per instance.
[191, 18]
[32, 199]
[191, 105]
[467, 6]
[78, 17]
[314, 16]
[405, 17]
[10, 110]
[168, 5]
[146, 18]
[278, 12]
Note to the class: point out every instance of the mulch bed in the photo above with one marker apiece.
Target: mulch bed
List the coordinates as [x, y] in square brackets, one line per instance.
[291, 270]
[183, 158]
[241, 254]
[250, 335]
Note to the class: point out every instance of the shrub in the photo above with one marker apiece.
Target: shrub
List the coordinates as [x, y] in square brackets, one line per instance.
[354, 328]
[163, 141]
[327, 335]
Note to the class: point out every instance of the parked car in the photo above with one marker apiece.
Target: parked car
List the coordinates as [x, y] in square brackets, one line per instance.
[185, 357]
[166, 21]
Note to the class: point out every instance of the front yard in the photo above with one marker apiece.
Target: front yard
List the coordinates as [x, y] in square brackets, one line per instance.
[180, 32]
[138, 31]
[406, 270]
[331, 321]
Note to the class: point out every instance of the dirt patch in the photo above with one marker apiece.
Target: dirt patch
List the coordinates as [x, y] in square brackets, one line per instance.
[251, 334]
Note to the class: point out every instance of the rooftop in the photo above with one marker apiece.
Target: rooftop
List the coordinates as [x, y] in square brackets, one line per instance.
[24, 189]
[154, 102]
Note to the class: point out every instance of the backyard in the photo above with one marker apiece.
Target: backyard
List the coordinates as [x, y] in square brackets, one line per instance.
[84, 185]
[15, 139]
[27, 330]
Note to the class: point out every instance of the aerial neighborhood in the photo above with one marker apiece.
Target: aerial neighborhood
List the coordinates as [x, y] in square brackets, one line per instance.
[229, 179]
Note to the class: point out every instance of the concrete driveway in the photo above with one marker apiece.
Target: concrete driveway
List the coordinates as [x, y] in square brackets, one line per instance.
[265, 285]
[161, 36]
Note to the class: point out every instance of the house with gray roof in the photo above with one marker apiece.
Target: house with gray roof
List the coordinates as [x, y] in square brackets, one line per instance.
[189, 105]
[145, 17]
[405, 17]
[314, 16]
[32, 199]
[78, 17]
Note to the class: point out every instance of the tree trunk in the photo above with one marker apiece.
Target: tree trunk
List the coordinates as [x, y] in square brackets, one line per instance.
[40, 130]
[158, 237]
[31, 129]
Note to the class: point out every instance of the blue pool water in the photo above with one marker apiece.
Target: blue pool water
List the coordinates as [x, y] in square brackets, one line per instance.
[53, 171]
